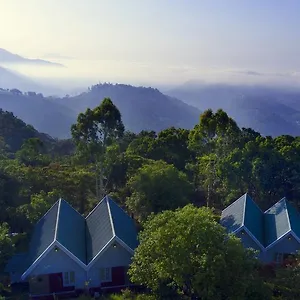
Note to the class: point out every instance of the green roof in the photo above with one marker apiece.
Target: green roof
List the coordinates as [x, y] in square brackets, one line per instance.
[71, 230]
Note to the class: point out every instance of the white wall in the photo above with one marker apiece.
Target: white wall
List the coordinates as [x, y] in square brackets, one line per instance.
[57, 262]
[112, 257]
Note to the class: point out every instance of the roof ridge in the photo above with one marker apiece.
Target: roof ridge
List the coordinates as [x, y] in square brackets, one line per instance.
[248, 197]
[244, 213]
[71, 207]
[46, 212]
[288, 214]
[95, 207]
[110, 216]
[57, 220]
[274, 204]
[112, 200]
[233, 202]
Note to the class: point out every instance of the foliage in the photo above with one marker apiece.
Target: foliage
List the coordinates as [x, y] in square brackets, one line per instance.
[189, 251]
[6, 244]
[155, 187]
[96, 129]
[285, 282]
[150, 172]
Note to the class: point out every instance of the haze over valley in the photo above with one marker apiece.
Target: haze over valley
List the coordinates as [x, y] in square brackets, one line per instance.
[206, 62]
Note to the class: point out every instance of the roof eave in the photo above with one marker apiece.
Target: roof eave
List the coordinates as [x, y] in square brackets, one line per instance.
[34, 264]
[279, 239]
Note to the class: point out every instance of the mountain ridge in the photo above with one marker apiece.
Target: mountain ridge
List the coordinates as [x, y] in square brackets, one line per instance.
[8, 57]
[141, 108]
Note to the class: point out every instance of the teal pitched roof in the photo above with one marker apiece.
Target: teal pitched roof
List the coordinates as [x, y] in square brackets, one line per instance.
[124, 226]
[43, 234]
[105, 222]
[265, 227]
[232, 217]
[70, 231]
[244, 213]
[254, 219]
[277, 221]
[99, 229]
[84, 238]
[294, 217]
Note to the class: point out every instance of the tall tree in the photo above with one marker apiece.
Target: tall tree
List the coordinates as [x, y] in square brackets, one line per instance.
[94, 131]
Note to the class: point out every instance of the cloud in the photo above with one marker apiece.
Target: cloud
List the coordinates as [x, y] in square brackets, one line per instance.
[250, 73]
[57, 56]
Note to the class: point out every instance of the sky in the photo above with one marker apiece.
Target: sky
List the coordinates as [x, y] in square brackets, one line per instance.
[156, 41]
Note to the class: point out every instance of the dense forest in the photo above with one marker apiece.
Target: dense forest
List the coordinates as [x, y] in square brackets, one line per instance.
[201, 171]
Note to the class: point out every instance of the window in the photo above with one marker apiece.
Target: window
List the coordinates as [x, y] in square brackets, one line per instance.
[278, 258]
[66, 278]
[72, 277]
[69, 278]
[105, 274]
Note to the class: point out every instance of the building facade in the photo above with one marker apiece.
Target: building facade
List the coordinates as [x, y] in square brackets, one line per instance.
[274, 233]
[70, 253]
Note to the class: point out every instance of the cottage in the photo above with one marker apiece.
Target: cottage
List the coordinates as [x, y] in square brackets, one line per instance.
[71, 253]
[275, 233]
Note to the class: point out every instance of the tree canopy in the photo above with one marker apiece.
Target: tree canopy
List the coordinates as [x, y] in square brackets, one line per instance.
[187, 250]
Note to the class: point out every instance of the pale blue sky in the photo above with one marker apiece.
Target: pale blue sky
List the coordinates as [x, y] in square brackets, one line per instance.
[157, 40]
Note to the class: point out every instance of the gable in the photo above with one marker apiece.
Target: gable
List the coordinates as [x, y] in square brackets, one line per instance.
[57, 261]
[81, 239]
[115, 255]
[247, 240]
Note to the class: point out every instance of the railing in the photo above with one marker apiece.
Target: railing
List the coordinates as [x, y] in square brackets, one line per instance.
[32, 296]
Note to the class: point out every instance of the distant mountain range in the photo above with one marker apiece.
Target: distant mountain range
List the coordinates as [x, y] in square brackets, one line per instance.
[269, 110]
[13, 80]
[141, 108]
[7, 57]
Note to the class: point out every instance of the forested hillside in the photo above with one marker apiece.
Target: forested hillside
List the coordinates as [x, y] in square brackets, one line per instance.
[210, 165]
[142, 108]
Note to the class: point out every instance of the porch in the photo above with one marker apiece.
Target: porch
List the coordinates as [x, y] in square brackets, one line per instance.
[49, 286]
[112, 280]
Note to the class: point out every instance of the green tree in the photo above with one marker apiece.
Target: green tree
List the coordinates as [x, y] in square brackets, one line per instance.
[157, 186]
[214, 132]
[38, 206]
[94, 131]
[189, 251]
[6, 245]
[33, 152]
[211, 140]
